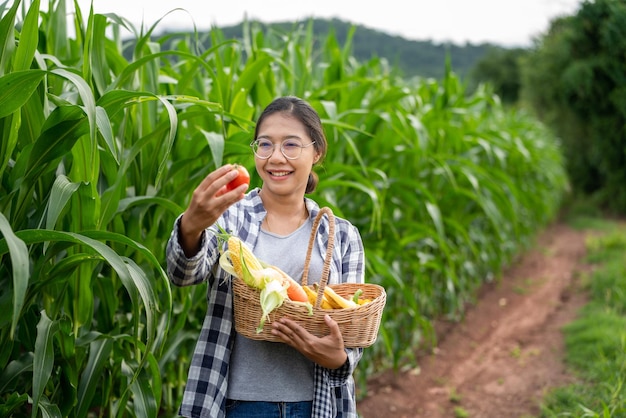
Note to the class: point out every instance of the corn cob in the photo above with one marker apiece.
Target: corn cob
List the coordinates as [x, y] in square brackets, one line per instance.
[337, 301]
[240, 254]
[272, 297]
[310, 294]
[326, 303]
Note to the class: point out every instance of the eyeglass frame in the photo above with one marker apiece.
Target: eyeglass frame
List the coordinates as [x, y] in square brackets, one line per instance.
[282, 150]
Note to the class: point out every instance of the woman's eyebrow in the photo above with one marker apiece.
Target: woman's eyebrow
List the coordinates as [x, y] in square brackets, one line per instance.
[290, 136]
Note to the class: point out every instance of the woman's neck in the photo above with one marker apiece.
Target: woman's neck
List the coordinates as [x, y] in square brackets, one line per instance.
[282, 205]
[283, 215]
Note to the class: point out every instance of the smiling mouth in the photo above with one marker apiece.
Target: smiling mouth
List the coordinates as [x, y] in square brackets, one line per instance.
[279, 173]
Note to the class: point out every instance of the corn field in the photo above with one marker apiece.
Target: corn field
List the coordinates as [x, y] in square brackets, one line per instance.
[105, 136]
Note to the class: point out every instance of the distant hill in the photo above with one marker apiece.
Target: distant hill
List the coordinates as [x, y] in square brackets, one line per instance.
[412, 58]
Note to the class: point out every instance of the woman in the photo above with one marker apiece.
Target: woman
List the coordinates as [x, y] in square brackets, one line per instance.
[233, 376]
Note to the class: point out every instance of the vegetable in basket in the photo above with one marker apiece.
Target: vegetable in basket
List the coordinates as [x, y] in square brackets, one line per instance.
[275, 285]
[333, 300]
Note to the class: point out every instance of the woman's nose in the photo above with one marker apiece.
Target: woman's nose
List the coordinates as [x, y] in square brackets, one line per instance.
[277, 152]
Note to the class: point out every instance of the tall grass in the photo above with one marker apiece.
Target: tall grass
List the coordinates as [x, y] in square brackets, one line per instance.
[104, 139]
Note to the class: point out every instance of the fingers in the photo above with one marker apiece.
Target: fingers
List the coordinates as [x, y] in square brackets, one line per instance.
[210, 200]
[215, 175]
[288, 331]
[214, 184]
[327, 351]
[335, 332]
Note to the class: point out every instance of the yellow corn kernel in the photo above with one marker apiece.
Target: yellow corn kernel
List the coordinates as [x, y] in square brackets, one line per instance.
[326, 302]
[311, 294]
[240, 253]
[338, 301]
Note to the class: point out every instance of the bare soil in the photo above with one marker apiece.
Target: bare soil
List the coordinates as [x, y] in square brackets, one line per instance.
[508, 350]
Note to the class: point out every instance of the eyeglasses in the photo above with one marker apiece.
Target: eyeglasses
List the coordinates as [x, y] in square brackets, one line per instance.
[290, 148]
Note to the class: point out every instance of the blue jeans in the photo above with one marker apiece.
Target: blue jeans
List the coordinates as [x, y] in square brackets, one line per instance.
[246, 409]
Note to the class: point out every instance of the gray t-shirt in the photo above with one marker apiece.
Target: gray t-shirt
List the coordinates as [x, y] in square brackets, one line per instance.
[272, 371]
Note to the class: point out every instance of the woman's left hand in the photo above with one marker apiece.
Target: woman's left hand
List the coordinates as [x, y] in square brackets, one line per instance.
[327, 351]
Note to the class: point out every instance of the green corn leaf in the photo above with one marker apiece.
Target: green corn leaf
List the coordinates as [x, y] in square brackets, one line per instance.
[119, 264]
[435, 215]
[86, 96]
[10, 140]
[155, 382]
[115, 101]
[31, 236]
[49, 410]
[16, 88]
[145, 389]
[145, 287]
[44, 358]
[129, 202]
[216, 145]
[57, 30]
[99, 354]
[19, 261]
[169, 142]
[14, 370]
[174, 345]
[106, 130]
[250, 74]
[6, 315]
[62, 191]
[99, 64]
[62, 129]
[29, 38]
[122, 239]
[7, 37]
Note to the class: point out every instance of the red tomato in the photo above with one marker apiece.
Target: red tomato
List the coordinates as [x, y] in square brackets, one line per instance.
[242, 178]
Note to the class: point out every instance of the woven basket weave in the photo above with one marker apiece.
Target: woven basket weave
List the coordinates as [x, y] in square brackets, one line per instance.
[359, 325]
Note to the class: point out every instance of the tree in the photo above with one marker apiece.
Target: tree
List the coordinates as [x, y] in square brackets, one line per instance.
[501, 68]
[575, 80]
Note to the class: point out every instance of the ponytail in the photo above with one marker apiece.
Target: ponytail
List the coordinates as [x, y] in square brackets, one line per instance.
[311, 184]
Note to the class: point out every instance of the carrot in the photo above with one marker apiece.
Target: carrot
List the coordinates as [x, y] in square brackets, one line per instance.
[295, 292]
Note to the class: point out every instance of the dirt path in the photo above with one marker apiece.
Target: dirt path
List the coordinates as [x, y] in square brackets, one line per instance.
[508, 350]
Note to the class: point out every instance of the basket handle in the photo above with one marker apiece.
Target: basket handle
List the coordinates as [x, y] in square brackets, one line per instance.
[329, 251]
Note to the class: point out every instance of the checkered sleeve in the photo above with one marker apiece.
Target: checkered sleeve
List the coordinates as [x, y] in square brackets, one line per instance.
[335, 390]
[352, 255]
[184, 271]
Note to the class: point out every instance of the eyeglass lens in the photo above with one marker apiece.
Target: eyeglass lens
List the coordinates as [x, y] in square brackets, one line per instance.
[290, 148]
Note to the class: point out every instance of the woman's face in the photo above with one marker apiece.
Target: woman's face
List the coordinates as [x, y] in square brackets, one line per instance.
[280, 175]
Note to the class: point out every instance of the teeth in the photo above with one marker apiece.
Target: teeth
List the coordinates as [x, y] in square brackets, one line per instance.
[279, 173]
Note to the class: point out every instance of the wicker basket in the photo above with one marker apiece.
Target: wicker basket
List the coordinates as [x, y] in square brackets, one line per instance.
[359, 325]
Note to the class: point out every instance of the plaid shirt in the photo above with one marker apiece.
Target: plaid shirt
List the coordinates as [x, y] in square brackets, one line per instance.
[205, 392]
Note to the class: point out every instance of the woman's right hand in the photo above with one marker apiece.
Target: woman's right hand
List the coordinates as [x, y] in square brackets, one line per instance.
[208, 202]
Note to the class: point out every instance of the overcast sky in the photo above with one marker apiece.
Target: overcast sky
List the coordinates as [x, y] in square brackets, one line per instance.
[502, 22]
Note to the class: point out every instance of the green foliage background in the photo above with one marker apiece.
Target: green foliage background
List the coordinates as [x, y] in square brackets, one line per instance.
[100, 152]
[576, 82]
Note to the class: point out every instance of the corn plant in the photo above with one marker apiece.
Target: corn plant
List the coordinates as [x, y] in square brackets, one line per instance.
[104, 138]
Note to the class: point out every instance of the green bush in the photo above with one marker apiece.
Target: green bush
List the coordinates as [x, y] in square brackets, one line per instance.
[575, 79]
